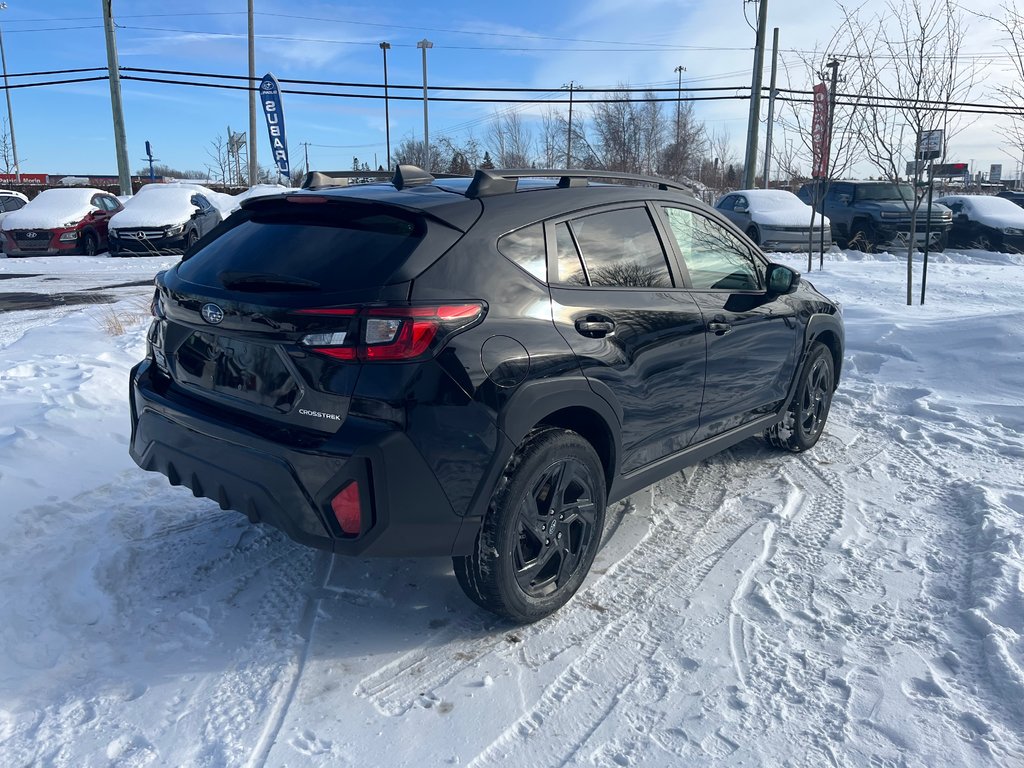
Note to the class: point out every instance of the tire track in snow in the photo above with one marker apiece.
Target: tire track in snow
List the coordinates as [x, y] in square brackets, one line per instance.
[396, 687]
[617, 661]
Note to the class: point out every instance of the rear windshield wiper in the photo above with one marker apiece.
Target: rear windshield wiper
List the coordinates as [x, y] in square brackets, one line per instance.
[262, 281]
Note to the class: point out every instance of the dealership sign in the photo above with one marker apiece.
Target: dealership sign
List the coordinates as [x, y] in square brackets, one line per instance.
[270, 96]
[819, 132]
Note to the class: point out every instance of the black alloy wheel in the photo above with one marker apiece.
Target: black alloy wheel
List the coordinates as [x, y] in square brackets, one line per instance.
[542, 530]
[805, 418]
[89, 244]
[754, 234]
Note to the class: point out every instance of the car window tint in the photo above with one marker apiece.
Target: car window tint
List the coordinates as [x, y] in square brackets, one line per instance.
[13, 203]
[715, 259]
[570, 268]
[621, 248]
[525, 247]
[110, 203]
[727, 203]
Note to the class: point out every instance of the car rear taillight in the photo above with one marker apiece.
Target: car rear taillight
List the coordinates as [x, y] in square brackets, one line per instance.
[348, 510]
[389, 333]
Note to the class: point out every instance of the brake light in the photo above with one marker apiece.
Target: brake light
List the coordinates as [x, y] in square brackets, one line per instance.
[347, 509]
[391, 333]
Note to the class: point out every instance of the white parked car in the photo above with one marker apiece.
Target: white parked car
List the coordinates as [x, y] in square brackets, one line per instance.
[164, 219]
[775, 219]
[986, 222]
[10, 201]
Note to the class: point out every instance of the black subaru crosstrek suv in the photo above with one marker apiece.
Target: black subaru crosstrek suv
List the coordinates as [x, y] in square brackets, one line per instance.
[473, 368]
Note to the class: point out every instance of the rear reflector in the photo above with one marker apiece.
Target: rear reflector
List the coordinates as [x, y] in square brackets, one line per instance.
[347, 510]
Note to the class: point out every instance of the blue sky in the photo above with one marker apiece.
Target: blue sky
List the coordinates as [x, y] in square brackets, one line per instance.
[68, 129]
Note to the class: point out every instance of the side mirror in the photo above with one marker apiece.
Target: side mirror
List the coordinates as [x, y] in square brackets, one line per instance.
[782, 279]
[740, 208]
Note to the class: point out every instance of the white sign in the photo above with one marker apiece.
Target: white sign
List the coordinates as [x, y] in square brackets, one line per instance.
[995, 172]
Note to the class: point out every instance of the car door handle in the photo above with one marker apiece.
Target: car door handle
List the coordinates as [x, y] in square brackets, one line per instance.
[595, 329]
[719, 328]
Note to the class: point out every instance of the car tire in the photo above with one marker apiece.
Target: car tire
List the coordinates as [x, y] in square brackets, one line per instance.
[90, 244]
[191, 240]
[755, 235]
[542, 529]
[805, 417]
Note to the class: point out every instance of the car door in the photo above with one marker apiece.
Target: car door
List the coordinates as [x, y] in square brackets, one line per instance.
[753, 338]
[639, 339]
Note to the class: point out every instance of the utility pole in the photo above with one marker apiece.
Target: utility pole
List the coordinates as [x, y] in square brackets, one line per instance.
[568, 139]
[423, 45]
[385, 47]
[305, 147]
[124, 174]
[254, 167]
[771, 108]
[10, 113]
[834, 66]
[750, 164]
[679, 101]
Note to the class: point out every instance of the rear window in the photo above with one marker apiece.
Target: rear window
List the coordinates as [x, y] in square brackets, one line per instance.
[336, 246]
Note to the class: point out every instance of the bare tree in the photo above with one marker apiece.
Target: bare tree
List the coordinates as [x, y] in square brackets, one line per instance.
[510, 140]
[906, 56]
[1011, 93]
[6, 150]
[688, 145]
[629, 134]
[219, 169]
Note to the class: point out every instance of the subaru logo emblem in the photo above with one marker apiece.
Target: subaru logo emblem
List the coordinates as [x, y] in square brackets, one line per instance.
[212, 313]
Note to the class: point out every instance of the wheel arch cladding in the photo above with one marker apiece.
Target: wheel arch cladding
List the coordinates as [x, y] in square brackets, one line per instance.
[830, 339]
[591, 427]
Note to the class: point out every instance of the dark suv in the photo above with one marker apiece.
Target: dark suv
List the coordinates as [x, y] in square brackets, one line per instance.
[473, 367]
[870, 214]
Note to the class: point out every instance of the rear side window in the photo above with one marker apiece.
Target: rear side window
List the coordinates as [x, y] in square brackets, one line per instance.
[621, 249]
[525, 247]
[336, 246]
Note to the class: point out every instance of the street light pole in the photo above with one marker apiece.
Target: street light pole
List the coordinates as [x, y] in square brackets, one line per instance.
[10, 113]
[568, 139]
[679, 101]
[423, 45]
[124, 174]
[254, 167]
[385, 47]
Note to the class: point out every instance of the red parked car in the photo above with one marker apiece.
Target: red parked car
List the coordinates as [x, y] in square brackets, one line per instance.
[60, 221]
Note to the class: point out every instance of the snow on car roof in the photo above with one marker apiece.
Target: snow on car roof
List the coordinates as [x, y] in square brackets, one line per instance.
[157, 205]
[53, 208]
[994, 206]
[771, 199]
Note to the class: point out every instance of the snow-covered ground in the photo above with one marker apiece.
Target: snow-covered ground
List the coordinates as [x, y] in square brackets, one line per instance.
[858, 605]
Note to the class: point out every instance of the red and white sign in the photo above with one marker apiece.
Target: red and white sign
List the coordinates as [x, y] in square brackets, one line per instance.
[819, 133]
[26, 178]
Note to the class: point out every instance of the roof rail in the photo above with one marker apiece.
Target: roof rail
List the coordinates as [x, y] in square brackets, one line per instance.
[321, 179]
[403, 177]
[500, 182]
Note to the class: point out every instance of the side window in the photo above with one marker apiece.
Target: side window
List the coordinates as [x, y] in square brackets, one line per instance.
[621, 249]
[110, 203]
[96, 201]
[14, 204]
[715, 259]
[525, 247]
[727, 203]
[570, 267]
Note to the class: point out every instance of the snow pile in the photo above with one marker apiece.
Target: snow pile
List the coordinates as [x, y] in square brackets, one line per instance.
[158, 205]
[779, 208]
[53, 208]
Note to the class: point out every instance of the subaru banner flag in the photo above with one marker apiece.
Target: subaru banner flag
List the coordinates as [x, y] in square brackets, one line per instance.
[270, 96]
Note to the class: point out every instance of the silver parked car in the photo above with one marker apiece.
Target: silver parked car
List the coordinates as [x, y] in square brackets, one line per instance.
[775, 219]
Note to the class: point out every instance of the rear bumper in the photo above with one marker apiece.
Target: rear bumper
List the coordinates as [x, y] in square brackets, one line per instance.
[780, 240]
[405, 510]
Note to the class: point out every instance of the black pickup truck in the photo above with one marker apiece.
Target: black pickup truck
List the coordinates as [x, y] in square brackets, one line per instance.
[870, 214]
